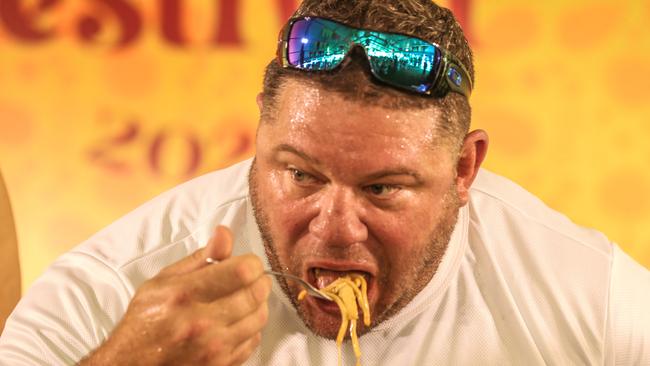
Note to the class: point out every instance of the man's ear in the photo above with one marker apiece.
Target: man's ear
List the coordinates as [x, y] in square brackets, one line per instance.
[260, 101]
[471, 156]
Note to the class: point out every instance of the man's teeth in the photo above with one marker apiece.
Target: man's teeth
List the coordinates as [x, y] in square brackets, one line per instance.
[322, 282]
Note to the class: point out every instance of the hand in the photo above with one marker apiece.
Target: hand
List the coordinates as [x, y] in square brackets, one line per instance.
[194, 313]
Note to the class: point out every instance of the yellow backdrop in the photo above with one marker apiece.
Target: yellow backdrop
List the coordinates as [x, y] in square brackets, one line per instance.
[106, 103]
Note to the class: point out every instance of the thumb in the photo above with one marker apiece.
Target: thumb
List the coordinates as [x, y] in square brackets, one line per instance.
[219, 248]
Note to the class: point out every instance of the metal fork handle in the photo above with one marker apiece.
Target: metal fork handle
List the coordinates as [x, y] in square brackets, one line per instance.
[306, 285]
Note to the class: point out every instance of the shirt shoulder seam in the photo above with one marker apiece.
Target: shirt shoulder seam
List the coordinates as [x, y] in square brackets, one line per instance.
[541, 223]
[197, 226]
[105, 264]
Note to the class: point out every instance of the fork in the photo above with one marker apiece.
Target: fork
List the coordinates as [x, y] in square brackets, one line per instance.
[313, 291]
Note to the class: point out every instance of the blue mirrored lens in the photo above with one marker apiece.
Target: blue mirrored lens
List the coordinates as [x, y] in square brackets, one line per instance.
[317, 44]
[455, 76]
[402, 61]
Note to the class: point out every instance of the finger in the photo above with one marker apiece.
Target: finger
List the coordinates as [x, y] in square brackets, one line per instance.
[241, 303]
[244, 351]
[219, 247]
[221, 279]
[250, 325]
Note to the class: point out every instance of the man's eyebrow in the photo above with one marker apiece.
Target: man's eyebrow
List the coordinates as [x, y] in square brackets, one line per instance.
[290, 149]
[396, 172]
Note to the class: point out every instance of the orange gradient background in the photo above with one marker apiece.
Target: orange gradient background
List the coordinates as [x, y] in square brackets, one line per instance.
[94, 121]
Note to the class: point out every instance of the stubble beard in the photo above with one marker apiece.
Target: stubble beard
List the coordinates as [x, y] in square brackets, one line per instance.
[422, 269]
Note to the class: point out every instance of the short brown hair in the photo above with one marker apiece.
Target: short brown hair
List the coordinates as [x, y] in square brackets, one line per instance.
[420, 18]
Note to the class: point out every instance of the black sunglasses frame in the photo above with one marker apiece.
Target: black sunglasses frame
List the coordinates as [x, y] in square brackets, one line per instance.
[450, 75]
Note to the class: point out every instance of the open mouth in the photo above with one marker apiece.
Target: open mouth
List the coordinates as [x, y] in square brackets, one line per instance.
[322, 277]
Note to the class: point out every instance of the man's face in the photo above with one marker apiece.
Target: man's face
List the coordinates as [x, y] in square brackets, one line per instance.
[338, 186]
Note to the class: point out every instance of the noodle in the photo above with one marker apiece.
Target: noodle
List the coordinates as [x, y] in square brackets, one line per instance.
[348, 292]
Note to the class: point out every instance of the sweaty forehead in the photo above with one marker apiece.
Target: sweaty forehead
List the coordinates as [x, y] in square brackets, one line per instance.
[308, 107]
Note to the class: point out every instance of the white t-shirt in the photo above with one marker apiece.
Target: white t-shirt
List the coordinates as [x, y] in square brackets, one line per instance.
[519, 285]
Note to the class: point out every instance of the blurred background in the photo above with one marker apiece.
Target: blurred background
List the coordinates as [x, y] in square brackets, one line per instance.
[106, 103]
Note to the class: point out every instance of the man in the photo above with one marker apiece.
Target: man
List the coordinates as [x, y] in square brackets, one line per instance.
[9, 268]
[364, 164]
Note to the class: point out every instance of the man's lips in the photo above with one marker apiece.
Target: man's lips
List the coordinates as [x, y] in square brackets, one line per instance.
[321, 274]
[343, 266]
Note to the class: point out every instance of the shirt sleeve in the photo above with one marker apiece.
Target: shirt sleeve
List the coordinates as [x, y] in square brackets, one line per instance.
[66, 314]
[627, 340]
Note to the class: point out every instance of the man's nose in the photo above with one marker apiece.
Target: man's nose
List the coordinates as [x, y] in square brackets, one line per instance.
[338, 221]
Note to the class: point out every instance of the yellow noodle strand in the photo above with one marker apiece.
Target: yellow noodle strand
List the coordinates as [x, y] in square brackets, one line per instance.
[302, 295]
[348, 292]
[355, 341]
[365, 307]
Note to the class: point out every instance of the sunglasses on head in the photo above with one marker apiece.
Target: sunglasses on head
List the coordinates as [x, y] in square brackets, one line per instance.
[405, 62]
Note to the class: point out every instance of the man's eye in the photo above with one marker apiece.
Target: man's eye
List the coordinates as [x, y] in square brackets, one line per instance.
[300, 176]
[382, 189]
